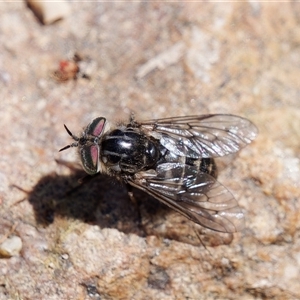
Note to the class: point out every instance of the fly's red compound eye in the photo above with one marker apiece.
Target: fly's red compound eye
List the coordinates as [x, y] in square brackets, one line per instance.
[90, 158]
[96, 127]
[89, 151]
[89, 145]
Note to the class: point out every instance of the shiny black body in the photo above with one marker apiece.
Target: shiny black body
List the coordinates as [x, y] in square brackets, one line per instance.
[127, 151]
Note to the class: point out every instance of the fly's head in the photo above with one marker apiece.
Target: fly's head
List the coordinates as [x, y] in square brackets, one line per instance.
[89, 145]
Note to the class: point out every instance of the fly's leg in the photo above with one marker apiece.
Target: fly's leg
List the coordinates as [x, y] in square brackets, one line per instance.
[135, 203]
[70, 165]
[200, 240]
[130, 194]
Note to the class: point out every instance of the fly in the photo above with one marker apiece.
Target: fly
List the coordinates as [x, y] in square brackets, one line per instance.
[171, 159]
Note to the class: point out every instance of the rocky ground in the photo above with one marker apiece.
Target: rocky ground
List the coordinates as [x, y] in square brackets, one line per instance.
[60, 240]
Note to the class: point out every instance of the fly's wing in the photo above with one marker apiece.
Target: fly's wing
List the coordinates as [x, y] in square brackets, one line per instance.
[202, 136]
[197, 196]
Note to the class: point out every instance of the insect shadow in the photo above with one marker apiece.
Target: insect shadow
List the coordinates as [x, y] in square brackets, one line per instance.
[103, 201]
[94, 201]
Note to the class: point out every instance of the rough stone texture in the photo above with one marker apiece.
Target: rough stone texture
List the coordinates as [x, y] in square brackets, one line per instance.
[157, 60]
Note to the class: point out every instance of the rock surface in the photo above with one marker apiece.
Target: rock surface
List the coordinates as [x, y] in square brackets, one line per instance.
[157, 60]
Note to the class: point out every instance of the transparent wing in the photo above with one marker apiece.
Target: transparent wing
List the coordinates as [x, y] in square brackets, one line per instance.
[202, 136]
[197, 196]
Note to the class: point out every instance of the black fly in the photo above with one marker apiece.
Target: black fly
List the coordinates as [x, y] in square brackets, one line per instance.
[171, 159]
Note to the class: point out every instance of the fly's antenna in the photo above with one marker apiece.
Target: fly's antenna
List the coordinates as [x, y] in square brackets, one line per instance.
[75, 144]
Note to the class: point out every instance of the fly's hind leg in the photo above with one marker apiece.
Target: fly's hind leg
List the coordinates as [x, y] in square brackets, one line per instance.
[130, 194]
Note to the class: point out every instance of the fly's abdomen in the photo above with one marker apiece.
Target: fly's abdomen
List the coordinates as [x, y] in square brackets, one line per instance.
[128, 151]
[204, 165]
[208, 166]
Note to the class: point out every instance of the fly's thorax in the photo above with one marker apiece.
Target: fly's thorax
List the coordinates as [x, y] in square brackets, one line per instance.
[126, 150]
